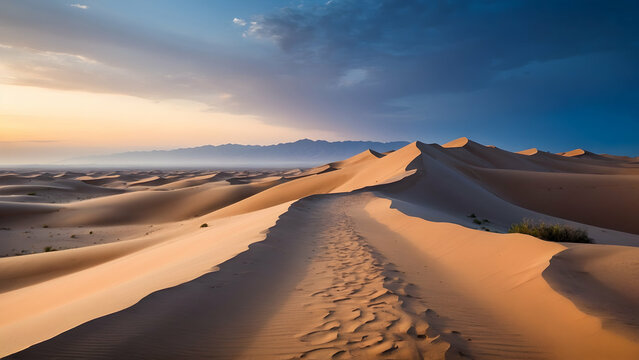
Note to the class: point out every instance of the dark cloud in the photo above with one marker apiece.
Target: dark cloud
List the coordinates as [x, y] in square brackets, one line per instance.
[443, 46]
[463, 63]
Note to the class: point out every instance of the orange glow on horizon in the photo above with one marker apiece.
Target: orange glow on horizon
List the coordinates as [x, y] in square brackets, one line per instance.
[39, 118]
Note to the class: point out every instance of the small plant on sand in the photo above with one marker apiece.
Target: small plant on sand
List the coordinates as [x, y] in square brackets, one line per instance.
[555, 232]
[472, 215]
[73, 236]
[45, 226]
[204, 225]
[90, 232]
[48, 248]
[477, 221]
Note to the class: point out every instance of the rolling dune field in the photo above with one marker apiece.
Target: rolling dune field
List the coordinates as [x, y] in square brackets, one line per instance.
[401, 255]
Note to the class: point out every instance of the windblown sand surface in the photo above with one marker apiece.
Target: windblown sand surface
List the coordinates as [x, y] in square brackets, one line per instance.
[375, 256]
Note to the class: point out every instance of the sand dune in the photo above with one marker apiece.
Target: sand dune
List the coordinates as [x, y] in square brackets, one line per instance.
[400, 254]
[461, 142]
[94, 281]
[100, 180]
[607, 201]
[503, 273]
[573, 153]
[148, 207]
[603, 280]
[195, 181]
[584, 154]
[9, 210]
[531, 151]
[57, 191]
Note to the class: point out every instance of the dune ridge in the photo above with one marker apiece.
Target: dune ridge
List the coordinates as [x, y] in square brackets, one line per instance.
[531, 151]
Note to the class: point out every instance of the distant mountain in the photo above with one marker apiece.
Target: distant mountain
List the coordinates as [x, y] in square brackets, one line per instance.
[299, 153]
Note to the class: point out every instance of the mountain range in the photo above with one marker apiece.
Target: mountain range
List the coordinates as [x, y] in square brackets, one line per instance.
[303, 152]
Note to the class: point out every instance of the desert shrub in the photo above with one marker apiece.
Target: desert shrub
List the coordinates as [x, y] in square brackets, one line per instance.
[48, 248]
[472, 215]
[204, 225]
[477, 221]
[45, 226]
[32, 194]
[550, 232]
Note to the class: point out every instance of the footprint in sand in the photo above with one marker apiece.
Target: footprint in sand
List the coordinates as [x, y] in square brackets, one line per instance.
[366, 293]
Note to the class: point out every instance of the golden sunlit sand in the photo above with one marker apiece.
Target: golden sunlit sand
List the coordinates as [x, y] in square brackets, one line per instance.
[402, 255]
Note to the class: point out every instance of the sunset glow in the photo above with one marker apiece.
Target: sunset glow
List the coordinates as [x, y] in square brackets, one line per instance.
[62, 123]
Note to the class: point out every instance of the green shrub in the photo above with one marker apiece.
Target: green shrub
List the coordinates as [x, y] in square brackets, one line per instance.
[472, 215]
[477, 221]
[554, 232]
[204, 225]
[48, 248]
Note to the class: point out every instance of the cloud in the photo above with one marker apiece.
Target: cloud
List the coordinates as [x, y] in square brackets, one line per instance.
[57, 51]
[437, 46]
[79, 6]
[432, 48]
[53, 69]
[353, 77]
[238, 21]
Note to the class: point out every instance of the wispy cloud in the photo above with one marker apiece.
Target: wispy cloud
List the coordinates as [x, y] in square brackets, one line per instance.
[45, 68]
[238, 21]
[353, 77]
[79, 6]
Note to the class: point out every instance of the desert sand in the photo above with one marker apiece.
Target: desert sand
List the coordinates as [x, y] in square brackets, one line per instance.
[375, 256]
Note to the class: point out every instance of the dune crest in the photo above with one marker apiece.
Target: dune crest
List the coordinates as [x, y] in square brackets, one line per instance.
[460, 142]
[573, 153]
[531, 151]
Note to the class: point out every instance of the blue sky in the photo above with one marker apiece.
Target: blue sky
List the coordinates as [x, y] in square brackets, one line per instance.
[549, 74]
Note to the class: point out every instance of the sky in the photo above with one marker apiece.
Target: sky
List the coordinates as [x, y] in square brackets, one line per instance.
[85, 77]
